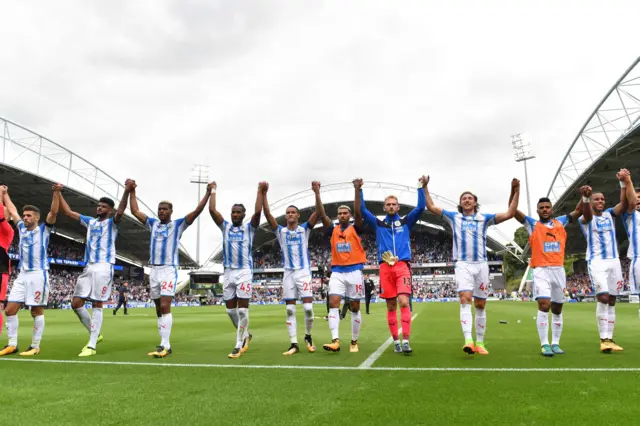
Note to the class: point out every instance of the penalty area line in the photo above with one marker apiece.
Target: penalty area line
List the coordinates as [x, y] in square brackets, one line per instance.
[367, 363]
[324, 367]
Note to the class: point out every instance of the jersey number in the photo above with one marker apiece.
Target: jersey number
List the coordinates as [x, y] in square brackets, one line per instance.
[306, 287]
[483, 287]
[245, 287]
[36, 296]
[104, 290]
[358, 288]
[167, 285]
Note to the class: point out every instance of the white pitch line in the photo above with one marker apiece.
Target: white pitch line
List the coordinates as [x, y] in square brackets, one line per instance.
[374, 356]
[327, 367]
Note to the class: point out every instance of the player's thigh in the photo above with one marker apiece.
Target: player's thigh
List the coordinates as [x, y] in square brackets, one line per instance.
[464, 276]
[541, 283]
[244, 284]
[102, 282]
[615, 280]
[84, 284]
[558, 285]
[634, 276]
[302, 281]
[403, 278]
[387, 282]
[18, 290]
[480, 272]
[37, 289]
[354, 285]
[168, 277]
[289, 289]
[337, 284]
[599, 277]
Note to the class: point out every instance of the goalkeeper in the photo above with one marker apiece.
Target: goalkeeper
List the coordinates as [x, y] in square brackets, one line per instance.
[394, 254]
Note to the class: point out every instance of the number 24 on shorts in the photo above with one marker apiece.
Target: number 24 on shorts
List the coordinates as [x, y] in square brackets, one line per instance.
[167, 285]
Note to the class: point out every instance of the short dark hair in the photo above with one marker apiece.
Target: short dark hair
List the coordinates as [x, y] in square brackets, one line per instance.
[475, 198]
[544, 200]
[108, 201]
[168, 203]
[239, 205]
[30, 208]
[297, 209]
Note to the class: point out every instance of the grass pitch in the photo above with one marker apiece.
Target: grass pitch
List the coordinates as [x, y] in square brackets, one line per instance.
[438, 384]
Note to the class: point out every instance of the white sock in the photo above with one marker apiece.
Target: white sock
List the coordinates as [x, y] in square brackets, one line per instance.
[481, 324]
[160, 327]
[243, 326]
[291, 323]
[543, 327]
[556, 329]
[465, 320]
[334, 322]
[38, 329]
[308, 317]
[165, 330]
[96, 326]
[602, 315]
[611, 321]
[83, 316]
[12, 330]
[356, 320]
[233, 314]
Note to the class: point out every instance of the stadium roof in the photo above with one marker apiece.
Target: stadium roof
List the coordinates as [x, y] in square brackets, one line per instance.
[608, 140]
[334, 195]
[31, 164]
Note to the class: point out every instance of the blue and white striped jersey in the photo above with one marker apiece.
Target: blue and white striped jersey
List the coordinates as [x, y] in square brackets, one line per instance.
[33, 247]
[237, 245]
[601, 236]
[469, 235]
[165, 241]
[101, 240]
[295, 246]
[632, 226]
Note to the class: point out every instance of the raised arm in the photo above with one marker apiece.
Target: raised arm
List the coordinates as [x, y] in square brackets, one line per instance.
[123, 205]
[191, 217]
[625, 181]
[265, 207]
[322, 215]
[257, 211]
[133, 202]
[55, 204]
[415, 214]
[11, 208]
[513, 205]
[66, 210]
[213, 211]
[583, 208]
[519, 216]
[430, 204]
[368, 217]
[357, 207]
[631, 196]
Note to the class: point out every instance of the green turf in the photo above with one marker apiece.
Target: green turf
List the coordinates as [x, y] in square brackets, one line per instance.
[51, 393]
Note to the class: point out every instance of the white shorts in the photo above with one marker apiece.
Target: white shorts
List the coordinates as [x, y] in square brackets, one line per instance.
[634, 276]
[549, 282]
[30, 288]
[473, 277]
[606, 276]
[296, 284]
[238, 284]
[349, 284]
[163, 281]
[94, 283]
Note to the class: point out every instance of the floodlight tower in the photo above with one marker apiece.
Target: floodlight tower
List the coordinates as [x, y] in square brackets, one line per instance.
[522, 152]
[199, 176]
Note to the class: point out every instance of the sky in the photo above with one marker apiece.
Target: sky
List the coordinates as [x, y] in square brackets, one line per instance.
[293, 91]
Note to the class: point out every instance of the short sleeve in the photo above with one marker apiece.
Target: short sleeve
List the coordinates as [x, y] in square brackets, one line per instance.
[20, 224]
[489, 219]
[448, 215]
[564, 220]
[150, 222]
[84, 220]
[610, 211]
[529, 224]
[185, 224]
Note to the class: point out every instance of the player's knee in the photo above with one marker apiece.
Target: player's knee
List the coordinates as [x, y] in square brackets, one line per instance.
[556, 308]
[11, 311]
[543, 305]
[291, 310]
[77, 304]
[308, 309]
[612, 301]
[243, 312]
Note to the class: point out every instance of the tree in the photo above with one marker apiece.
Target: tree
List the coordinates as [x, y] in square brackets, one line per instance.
[514, 268]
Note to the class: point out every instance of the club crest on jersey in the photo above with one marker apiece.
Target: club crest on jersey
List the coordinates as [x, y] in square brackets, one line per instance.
[162, 232]
[27, 239]
[397, 223]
